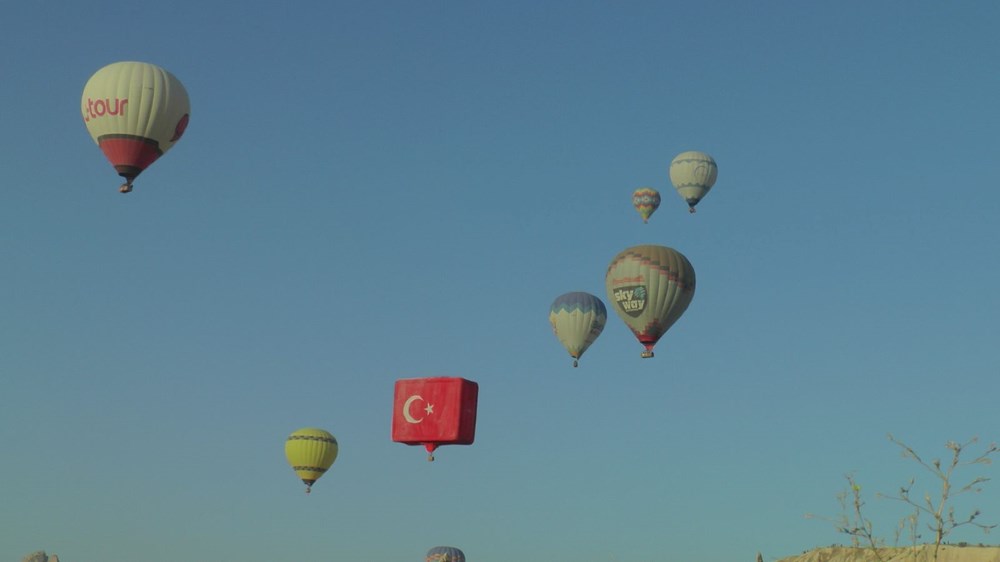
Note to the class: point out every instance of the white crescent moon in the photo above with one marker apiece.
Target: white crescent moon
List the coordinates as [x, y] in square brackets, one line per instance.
[406, 409]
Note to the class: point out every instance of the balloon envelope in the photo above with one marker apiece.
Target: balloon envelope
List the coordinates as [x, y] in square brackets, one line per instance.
[650, 287]
[646, 200]
[135, 112]
[445, 554]
[577, 319]
[435, 411]
[693, 174]
[310, 452]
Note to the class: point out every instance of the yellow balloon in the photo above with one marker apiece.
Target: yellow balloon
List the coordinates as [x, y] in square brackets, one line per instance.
[135, 112]
[310, 452]
[693, 174]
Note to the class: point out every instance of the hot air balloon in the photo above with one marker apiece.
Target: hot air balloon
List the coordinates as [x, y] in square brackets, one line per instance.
[311, 451]
[646, 200]
[445, 554]
[577, 319]
[135, 112]
[434, 411]
[693, 174]
[650, 288]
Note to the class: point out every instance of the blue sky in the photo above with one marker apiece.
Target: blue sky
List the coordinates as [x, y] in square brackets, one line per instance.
[375, 191]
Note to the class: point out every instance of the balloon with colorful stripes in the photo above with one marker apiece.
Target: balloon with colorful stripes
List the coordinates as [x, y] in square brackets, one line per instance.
[646, 200]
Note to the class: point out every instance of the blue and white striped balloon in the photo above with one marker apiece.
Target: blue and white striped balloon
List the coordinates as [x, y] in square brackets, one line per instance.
[445, 554]
[577, 319]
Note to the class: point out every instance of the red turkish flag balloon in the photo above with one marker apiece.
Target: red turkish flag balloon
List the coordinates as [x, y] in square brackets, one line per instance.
[435, 411]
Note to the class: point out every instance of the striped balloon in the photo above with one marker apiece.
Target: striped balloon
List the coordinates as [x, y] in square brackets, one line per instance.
[646, 200]
[577, 319]
[445, 554]
[135, 112]
[693, 174]
[311, 451]
[650, 287]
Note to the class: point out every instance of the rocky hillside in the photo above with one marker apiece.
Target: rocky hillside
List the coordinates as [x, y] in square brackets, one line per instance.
[925, 553]
[40, 556]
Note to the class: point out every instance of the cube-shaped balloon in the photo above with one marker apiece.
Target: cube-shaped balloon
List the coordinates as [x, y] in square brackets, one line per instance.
[435, 411]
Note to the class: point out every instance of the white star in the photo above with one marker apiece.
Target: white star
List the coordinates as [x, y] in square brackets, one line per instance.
[429, 408]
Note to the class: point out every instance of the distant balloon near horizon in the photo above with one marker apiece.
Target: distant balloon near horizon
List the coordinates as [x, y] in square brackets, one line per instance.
[577, 319]
[646, 200]
[311, 451]
[650, 287]
[135, 112]
[444, 554]
[693, 174]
